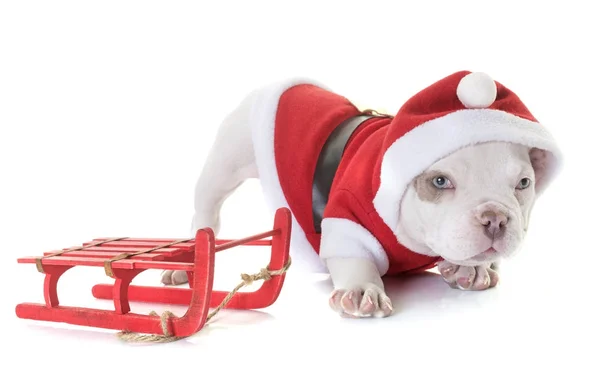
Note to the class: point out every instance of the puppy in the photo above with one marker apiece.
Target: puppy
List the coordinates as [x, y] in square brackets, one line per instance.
[449, 181]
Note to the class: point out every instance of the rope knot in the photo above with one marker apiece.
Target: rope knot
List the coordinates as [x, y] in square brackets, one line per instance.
[264, 274]
[164, 325]
[247, 279]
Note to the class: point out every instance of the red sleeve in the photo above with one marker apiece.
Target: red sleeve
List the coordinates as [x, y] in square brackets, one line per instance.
[346, 231]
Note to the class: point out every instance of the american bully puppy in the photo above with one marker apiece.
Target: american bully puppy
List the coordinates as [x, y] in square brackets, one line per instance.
[449, 181]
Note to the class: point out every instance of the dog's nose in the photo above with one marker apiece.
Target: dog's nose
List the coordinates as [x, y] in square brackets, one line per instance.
[494, 222]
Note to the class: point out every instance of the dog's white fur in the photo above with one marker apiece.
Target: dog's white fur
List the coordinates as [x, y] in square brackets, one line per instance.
[483, 179]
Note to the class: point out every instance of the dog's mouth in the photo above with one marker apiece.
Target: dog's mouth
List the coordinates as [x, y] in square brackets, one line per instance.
[487, 255]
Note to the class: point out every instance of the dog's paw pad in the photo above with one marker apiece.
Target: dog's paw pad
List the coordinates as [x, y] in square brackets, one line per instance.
[367, 305]
[494, 278]
[448, 270]
[465, 283]
[165, 277]
[468, 277]
[174, 277]
[350, 301]
[465, 277]
[385, 305]
[369, 301]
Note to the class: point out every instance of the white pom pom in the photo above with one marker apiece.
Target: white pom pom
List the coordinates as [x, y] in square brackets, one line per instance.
[476, 90]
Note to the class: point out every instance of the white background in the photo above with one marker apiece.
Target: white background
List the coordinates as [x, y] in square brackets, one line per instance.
[107, 110]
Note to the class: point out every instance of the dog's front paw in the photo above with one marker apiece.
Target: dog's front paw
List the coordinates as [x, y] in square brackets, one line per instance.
[364, 301]
[174, 277]
[469, 277]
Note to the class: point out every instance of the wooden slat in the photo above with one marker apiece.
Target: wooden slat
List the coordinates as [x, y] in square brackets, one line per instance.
[107, 255]
[126, 243]
[253, 242]
[165, 240]
[169, 252]
[244, 241]
[153, 240]
[139, 264]
[74, 261]
[121, 264]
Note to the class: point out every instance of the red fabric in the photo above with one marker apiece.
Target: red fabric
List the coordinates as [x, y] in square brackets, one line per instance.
[440, 99]
[305, 117]
[351, 196]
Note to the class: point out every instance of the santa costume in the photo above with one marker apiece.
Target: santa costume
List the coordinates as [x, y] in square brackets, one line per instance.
[336, 167]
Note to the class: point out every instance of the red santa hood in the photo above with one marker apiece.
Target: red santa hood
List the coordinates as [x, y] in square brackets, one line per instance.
[459, 110]
[292, 119]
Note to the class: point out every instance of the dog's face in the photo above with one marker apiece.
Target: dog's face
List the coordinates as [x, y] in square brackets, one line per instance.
[473, 206]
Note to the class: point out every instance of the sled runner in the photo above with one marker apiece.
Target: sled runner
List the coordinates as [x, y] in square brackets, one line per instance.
[125, 258]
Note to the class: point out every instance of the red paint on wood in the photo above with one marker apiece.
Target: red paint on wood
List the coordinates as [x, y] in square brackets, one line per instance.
[107, 255]
[195, 256]
[235, 243]
[53, 273]
[149, 244]
[171, 251]
[121, 264]
[166, 241]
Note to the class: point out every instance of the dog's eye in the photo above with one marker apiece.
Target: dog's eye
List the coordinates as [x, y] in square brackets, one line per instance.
[442, 182]
[524, 183]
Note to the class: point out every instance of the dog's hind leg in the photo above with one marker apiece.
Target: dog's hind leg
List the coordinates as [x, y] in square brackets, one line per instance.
[230, 162]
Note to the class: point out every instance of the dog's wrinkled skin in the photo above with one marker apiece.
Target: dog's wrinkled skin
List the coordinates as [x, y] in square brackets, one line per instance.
[477, 198]
[471, 208]
[479, 217]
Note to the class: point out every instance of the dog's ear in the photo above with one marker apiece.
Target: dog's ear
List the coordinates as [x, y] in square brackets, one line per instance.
[540, 161]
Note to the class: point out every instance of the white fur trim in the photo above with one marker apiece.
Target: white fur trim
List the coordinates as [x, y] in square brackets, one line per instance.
[476, 90]
[413, 153]
[262, 121]
[345, 238]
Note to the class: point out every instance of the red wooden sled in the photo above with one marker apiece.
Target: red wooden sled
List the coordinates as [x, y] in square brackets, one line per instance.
[125, 258]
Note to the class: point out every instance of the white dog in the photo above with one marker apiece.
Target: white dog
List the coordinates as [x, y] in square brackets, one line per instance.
[449, 181]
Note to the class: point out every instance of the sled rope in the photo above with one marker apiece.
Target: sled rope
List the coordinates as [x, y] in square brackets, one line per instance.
[108, 263]
[38, 261]
[247, 280]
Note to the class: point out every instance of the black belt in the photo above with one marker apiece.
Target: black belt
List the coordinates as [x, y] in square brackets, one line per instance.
[328, 162]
